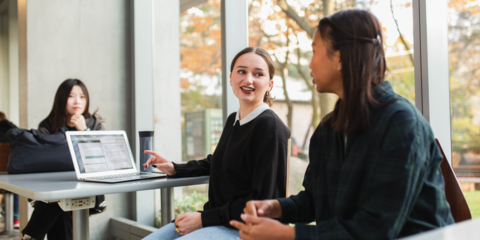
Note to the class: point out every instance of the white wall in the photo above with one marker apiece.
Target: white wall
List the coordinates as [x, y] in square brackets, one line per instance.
[13, 114]
[167, 79]
[84, 39]
[4, 83]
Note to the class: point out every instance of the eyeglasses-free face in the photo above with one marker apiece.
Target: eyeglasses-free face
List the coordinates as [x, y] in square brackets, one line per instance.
[325, 68]
[250, 79]
[77, 101]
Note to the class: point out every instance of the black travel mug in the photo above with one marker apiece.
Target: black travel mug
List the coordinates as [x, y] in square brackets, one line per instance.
[146, 143]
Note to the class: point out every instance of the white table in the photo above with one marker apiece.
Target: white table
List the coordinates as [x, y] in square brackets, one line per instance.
[64, 185]
[466, 230]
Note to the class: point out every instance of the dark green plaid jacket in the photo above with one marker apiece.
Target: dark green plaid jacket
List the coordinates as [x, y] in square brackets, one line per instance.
[386, 185]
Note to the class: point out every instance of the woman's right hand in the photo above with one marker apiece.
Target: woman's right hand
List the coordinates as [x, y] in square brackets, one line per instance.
[162, 164]
[264, 208]
[79, 122]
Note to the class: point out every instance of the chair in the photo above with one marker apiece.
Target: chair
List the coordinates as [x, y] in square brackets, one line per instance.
[453, 192]
[4, 152]
[289, 152]
[8, 196]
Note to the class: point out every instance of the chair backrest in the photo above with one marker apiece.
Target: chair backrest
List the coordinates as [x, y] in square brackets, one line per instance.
[453, 192]
[289, 152]
[4, 152]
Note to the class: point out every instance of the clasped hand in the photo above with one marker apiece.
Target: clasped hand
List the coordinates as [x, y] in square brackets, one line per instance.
[258, 223]
[188, 222]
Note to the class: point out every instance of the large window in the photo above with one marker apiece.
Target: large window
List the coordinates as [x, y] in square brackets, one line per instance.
[201, 94]
[286, 27]
[464, 59]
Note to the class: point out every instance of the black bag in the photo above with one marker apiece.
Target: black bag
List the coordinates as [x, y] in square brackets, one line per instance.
[35, 152]
[100, 205]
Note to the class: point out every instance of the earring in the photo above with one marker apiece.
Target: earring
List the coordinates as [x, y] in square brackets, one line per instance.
[338, 69]
[267, 93]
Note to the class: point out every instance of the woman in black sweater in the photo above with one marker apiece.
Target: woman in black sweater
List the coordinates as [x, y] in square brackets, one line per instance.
[248, 163]
[70, 110]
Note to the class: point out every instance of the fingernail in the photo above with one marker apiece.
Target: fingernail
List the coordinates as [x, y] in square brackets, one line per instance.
[243, 216]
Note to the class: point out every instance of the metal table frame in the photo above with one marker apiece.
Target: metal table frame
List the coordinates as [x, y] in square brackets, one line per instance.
[52, 187]
[9, 232]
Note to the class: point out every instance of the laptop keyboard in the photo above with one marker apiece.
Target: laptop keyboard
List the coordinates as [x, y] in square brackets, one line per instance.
[123, 176]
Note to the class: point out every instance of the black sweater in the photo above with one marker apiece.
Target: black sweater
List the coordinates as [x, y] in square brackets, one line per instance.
[250, 162]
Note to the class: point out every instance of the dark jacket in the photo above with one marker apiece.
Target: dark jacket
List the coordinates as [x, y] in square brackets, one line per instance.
[5, 125]
[385, 183]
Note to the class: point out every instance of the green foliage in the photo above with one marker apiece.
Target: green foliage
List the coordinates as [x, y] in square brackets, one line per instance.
[190, 203]
[473, 200]
[465, 134]
[194, 99]
[403, 84]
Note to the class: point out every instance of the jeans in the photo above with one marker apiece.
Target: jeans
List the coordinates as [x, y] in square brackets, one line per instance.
[15, 208]
[168, 232]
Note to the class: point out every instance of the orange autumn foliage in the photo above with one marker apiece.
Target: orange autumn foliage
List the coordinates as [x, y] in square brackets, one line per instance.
[200, 40]
[458, 5]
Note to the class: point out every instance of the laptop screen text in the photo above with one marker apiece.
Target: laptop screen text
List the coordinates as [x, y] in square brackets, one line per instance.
[101, 153]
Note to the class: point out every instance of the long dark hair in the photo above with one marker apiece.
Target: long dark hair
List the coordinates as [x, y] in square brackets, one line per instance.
[271, 69]
[357, 34]
[58, 115]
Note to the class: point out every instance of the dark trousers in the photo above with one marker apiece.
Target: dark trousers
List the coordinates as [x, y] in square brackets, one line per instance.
[49, 219]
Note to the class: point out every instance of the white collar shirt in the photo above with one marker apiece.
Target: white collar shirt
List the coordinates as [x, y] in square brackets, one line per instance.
[254, 114]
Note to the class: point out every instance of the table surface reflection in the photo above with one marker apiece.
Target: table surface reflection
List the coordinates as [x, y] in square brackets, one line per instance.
[465, 230]
[60, 185]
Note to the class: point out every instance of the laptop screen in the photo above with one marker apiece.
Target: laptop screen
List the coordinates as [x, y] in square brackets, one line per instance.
[101, 153]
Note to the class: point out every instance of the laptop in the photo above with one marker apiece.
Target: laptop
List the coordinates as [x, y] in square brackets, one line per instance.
[104, 156]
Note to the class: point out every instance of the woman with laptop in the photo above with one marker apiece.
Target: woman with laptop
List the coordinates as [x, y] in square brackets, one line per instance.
[248, 163]
[374, 170]
[70, 110]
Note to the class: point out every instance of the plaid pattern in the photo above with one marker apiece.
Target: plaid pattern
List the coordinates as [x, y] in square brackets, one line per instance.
[387, 184]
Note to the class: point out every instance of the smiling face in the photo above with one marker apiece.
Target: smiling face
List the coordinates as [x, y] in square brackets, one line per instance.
[325, 68]
[77, 101]
[250, 79]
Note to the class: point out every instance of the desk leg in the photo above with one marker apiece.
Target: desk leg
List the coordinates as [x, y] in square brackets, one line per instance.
[9, 231]
[80, 224]
[168, 208]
